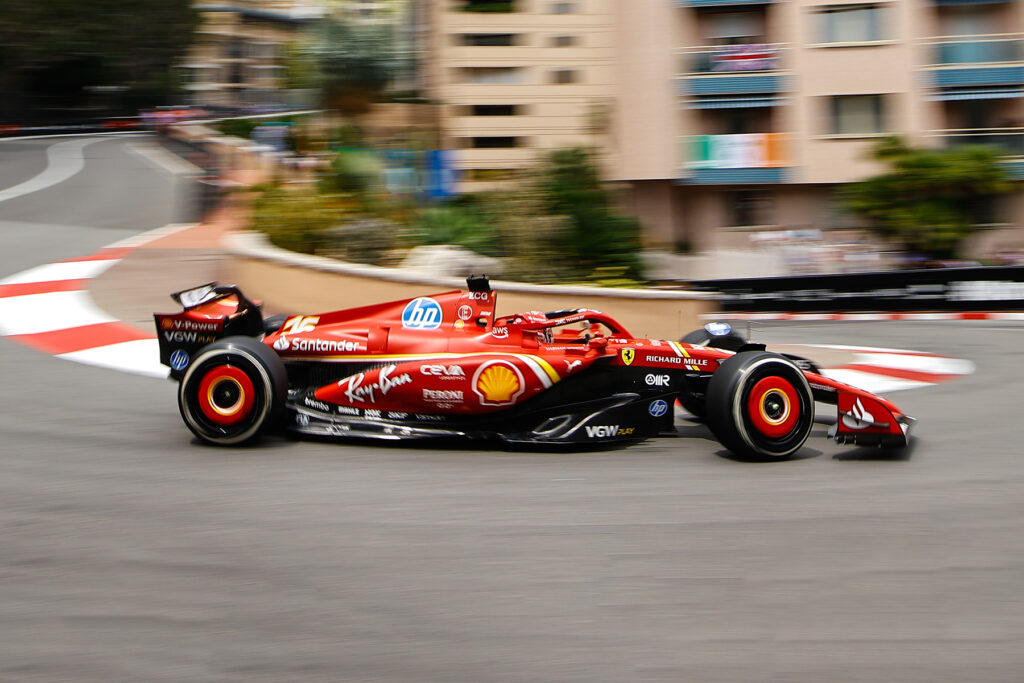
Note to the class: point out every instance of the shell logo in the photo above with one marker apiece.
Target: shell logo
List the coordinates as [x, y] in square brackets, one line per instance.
[498, 383]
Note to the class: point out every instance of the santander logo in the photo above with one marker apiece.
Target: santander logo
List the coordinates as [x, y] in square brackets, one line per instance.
[281, 343]
[858, 417]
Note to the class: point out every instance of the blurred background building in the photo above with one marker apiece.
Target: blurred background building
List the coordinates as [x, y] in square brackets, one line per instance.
[726, 117]
[726, 122]
[776, 104]
[518, 77]
[238, 57]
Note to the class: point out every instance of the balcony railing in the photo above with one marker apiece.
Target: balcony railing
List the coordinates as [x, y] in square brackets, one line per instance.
[720, 3]
[731, 71]
[731, 159]
[731, 59]
[1007, 141]
[746, 150]
[975, 51]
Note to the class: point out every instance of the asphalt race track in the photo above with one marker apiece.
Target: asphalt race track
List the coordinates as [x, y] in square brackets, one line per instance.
[130, 552]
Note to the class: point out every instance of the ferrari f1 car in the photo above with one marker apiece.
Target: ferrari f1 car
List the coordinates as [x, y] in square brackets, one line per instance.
[445, 366]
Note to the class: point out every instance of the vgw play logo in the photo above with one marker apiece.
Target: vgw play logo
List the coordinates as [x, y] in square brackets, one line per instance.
[422, 314]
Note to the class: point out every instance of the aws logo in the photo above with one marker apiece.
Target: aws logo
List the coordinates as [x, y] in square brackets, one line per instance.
[498, 383]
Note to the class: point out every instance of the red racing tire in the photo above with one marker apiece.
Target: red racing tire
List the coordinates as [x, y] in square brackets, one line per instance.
[234, 390]
[760, 406]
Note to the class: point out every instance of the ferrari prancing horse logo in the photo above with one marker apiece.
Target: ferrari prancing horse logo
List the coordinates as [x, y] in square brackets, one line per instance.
[628, 355]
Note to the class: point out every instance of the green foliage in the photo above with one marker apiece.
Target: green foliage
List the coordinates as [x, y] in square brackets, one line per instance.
[351, 171]
[465, 225]
[239, 128]
[353, 64]
[297, 219]
[928, 202]
[489, 7]
[531, 239]
[599, 237]
[305, 220]
[363, 239]
[300, 70]
[558, 227]
[56, 50]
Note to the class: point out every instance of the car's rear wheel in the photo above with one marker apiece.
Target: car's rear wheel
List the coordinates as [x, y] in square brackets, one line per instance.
[233, 391]
[760, 406]
[724, 338]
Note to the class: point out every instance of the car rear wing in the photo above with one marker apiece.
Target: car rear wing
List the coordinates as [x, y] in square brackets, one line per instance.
[210, 311]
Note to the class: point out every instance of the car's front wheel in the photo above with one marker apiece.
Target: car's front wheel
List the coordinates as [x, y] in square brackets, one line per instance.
[233, 390]
[760, 405]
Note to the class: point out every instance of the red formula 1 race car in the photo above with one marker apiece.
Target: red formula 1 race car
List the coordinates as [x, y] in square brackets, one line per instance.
[445, 366]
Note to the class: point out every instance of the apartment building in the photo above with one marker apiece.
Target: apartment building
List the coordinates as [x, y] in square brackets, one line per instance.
[516, 78]
[237, 58]
[730, 117]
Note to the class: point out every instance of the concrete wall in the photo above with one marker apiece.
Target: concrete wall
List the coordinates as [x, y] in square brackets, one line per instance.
[310, 284]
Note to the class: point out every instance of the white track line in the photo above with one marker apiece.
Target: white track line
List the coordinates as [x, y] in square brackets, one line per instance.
[62, 310]
[48, 312]
[65, 159]
[876, 384]
[140, 357]
[165, 160]
[150, 236]
[52, 272]
[936, 365]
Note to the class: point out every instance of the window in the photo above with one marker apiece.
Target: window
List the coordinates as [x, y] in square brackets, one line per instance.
[563, 76]
[494, 142]
[735, 28]
[853, 24]
[493, 110]
[488, 39]
[563, 41]
[488, 6]
[492, 75]
[857, 114]
[747, 207]
[489, 174]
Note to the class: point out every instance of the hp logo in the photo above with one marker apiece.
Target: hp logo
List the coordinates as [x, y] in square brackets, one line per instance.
[422, 314]
[179, 359]
[657, 408]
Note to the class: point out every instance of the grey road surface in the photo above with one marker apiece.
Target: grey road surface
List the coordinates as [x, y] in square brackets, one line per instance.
[129, 552]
